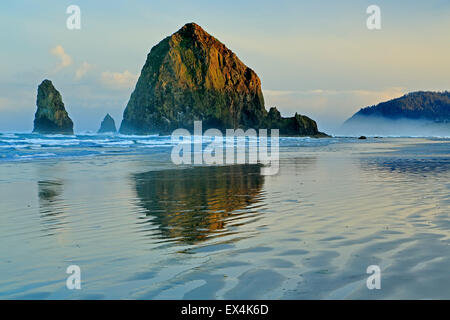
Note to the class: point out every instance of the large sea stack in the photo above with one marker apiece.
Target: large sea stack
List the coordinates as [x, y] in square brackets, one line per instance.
[51, 117]
[108, 125]
[190, 76]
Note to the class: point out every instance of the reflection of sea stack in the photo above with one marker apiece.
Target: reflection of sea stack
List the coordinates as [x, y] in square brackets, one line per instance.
[193, 205]
[51, 117]
[108, 125]
[51, 205]
[190, 76]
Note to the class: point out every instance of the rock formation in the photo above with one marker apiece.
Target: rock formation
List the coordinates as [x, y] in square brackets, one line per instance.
[108, 125]
[189, 76]
[297, 125]
[51, 117]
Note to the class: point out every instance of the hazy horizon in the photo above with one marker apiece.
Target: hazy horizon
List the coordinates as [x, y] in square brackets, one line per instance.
[319, 60]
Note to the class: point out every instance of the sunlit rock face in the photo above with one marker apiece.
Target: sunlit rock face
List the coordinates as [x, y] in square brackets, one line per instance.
[51, 117]
[190, 76]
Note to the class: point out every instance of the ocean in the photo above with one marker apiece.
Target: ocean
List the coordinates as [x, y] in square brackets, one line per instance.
[140, 227]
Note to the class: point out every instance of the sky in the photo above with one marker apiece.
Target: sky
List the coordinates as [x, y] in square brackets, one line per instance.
[317, 58]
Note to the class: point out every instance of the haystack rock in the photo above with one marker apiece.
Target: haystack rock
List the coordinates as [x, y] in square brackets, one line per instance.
[190, 76]
[51, 117]
[108, 125]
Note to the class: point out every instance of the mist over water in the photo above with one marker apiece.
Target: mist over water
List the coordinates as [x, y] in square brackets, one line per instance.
[383, 127]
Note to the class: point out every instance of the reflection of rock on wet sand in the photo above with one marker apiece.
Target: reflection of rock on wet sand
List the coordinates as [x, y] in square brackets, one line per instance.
[189, 205]
[50, 204]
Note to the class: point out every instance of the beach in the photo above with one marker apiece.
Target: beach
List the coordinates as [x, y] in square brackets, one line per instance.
[141, 227]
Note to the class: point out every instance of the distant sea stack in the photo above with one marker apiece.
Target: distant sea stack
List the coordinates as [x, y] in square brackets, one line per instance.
[51, 117]
[416, 113]
[190, 76]
[108, 125]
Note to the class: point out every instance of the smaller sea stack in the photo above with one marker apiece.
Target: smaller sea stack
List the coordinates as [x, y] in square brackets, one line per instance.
[108, 125]
[51, 117]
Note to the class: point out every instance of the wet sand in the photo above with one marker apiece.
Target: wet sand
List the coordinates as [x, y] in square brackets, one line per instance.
[141, 228]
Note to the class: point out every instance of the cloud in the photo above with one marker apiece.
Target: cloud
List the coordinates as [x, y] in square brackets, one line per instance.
[326, 98]
[118, 80]
[65, 59]
[277, 93]
[372, 97]
[82, 70]
[329, 107]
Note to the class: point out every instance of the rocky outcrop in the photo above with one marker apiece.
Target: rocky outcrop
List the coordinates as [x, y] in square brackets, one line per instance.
[191, 76]
[51, 117]
[297, 125]
[108, 125]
